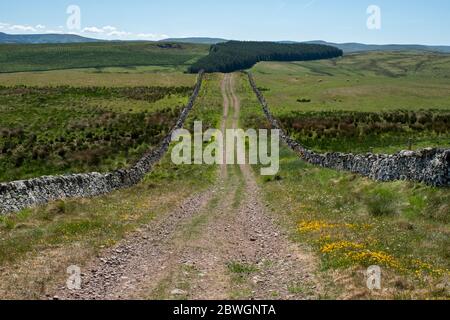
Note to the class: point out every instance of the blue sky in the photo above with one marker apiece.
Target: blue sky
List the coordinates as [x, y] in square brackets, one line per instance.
[402, 21]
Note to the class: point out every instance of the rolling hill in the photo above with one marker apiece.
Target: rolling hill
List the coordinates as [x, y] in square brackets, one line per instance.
[43, 38]
[196, 40]
[352, 47]
[42, 57]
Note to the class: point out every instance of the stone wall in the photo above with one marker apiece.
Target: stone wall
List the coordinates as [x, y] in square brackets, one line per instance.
[430, 166]
[18, 195]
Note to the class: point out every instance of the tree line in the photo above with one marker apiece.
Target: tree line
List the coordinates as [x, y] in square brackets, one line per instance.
[238, 55]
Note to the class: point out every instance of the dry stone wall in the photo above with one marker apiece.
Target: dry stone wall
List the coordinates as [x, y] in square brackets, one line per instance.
[430, 166]
[18, 195]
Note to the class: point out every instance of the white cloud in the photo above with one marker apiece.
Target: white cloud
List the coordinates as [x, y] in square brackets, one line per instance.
[152, 36]
[146, 35]
[109, 28]
[106, 32]
[24, 28]
[93, 30]
[119, 34]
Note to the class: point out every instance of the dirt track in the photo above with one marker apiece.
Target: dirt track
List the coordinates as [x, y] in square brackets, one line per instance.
[218, 245]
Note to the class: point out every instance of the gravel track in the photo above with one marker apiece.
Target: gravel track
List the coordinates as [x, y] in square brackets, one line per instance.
[189, 253]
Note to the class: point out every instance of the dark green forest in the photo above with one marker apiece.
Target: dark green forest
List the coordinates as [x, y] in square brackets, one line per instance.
[238, 55]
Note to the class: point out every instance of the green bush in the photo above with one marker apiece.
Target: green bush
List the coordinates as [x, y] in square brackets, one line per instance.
[381, 201]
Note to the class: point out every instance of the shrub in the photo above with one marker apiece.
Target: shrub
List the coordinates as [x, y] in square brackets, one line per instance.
[381, 201]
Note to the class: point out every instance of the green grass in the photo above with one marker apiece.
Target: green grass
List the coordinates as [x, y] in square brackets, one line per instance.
[368, 102]
[241, 268]
[369, 131]
[358, 82]
[403, 227]
[17, 58]
[240, 272]
[55, 130]
[208, 107]
[105, 77]
[99, 118]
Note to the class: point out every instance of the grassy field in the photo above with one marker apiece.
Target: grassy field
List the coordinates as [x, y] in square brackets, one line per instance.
[353, 222]
[57, 130]
[104, 77]
[38, 244]
[121, 99]
[370, 102]
[15, 58]
[358, 82]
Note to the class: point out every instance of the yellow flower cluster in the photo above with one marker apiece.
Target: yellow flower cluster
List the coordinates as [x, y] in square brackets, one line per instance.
[426, 267]
[358, 253]
[317, 225]
[375, 257]
[365, 226]
[335, 246]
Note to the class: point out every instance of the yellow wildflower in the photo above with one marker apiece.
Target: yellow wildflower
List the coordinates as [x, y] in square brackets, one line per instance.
[317, 225]
[375, 257]
[334, 246]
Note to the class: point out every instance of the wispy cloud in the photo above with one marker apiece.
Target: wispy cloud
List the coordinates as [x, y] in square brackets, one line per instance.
[93, 30]
[108, 32]
[119, 34]
[115, 33]
[109, 28]
[24, 28]
[21, 28]
[151, 36]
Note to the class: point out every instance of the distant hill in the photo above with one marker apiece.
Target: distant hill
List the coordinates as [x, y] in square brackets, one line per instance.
[42, 57]
[360, 47]
[196, 40]
[43, 38]
[350, 47]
